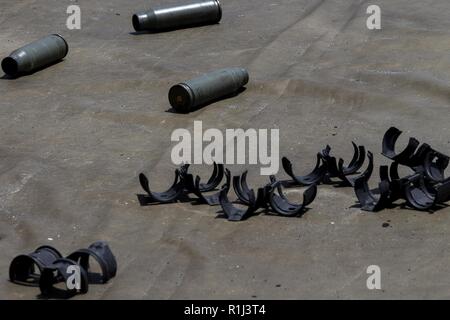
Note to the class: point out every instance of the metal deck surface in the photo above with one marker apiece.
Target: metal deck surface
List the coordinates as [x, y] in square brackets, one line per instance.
[74, 137]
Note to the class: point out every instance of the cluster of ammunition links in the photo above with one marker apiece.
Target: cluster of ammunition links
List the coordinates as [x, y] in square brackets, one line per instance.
[47, 269]
[183, 97]
[425, 189]
[269, 198]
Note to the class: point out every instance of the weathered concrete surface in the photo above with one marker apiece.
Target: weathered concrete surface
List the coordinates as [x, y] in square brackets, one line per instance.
[75, 136]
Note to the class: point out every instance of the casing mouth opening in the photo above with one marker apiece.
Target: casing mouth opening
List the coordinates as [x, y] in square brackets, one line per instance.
[10, 66]
[136, 23]
[246, 78]
[219, 7]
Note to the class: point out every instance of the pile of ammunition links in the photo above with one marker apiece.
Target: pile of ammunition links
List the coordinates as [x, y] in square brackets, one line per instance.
[46, 268]
[425, 189]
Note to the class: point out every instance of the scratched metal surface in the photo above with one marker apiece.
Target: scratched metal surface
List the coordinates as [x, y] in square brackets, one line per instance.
[74, 137]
